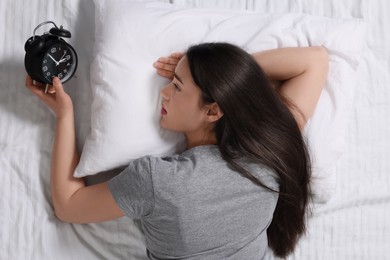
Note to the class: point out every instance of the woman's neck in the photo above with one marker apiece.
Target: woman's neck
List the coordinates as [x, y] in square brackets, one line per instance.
[196, 139]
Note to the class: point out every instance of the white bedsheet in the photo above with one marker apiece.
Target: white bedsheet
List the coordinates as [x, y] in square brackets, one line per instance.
[355, 224]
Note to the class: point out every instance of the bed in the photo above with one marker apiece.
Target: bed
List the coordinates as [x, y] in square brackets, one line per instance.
[351, 217]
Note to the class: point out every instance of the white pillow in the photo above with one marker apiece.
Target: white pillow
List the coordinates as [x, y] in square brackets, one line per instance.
[131, 35]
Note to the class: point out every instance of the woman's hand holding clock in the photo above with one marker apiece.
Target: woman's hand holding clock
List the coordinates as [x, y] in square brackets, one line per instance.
[56, 98]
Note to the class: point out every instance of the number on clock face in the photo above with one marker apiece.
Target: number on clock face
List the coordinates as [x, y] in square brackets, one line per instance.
[59, 61]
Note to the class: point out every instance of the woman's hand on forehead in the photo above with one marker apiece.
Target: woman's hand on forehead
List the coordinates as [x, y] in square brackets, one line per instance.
[166, 66]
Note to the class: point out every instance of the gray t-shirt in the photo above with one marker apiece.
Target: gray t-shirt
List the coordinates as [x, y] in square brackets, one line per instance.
[193, 206]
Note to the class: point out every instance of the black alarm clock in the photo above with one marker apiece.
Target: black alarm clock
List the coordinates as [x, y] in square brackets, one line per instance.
[49, 56]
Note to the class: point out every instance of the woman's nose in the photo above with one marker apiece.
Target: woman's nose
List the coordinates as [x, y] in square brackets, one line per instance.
[164, 92]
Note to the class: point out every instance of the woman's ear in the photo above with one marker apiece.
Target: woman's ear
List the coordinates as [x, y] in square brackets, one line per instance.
[213, 112]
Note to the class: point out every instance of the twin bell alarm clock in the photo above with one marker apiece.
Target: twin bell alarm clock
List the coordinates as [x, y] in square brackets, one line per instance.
[49, 56]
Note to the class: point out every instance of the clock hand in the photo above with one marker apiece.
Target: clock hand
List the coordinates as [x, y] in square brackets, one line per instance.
[56, 62]
[61, 59]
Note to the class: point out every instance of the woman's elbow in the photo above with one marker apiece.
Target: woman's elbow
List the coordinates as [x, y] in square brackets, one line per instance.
[319, 64]
[68, 218]
[62, 215]
[65, 214]
[321, 57]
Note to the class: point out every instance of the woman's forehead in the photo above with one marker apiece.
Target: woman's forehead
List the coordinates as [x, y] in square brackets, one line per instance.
[182, 71]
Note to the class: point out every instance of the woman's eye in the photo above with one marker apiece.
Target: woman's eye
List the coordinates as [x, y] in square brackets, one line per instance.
[176, 87]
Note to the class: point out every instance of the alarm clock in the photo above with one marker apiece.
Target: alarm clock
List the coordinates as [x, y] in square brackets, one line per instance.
[49, 55]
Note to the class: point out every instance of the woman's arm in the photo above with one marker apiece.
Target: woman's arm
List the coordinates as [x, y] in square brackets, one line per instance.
[303, 72]
[72, 200]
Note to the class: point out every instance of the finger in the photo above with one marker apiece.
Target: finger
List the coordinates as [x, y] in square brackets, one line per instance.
[29, 80]
[39, 91]
[51, 89]
[165, 74]
[48, 99]
[177, 55]
[169, 60]
[38, 84]
[33, 87]
[164, 66]
[30, 83]
[57, 86]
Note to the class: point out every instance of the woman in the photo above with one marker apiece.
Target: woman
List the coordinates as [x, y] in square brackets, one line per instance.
[244, 181]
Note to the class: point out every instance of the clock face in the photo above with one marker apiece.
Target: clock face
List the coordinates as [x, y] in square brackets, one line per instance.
[60, 61]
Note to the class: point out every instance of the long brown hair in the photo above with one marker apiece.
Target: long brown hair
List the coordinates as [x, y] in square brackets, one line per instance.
[258, 125]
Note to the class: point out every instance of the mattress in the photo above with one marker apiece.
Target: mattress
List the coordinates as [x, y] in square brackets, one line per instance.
[353, 224]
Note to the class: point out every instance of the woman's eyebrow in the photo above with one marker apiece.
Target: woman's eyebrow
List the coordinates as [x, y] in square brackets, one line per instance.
[178, 78]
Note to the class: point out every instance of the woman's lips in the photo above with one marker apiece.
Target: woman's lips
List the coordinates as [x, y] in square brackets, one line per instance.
[163, 111]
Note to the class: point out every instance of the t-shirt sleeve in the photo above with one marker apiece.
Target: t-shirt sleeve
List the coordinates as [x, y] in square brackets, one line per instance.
[132, 189]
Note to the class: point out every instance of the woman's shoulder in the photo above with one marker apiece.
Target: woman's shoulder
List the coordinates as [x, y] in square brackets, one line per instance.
[203, 162]
[200, 150]
[203, 152]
